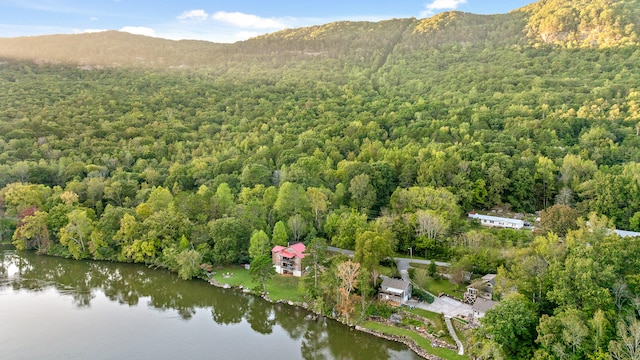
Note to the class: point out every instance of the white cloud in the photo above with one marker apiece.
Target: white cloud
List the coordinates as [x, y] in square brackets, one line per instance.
[244, 35]
[242, 20]
[139, 30]
[198, 15]
[435, 5]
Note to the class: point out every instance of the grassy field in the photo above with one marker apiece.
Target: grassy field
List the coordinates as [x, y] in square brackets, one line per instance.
[279, 287]
[422, 342]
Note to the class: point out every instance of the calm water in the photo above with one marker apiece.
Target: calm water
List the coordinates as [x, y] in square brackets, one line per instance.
[53, 308]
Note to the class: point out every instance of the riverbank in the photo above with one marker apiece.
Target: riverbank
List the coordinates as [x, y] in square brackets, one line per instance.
[423, 344]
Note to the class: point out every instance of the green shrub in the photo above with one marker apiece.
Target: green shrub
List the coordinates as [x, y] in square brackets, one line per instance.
[412, 273]
[422, 295]
[380, 309]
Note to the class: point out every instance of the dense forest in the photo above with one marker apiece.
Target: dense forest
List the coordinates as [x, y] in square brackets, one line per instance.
[377, 137]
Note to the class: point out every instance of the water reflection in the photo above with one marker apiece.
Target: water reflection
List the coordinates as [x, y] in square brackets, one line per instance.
[133, 286]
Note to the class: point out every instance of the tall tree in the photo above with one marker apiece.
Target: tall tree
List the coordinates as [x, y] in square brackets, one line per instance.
[261, 269]
[363, 194]
[259, 244]
[347, 273]
[188, 261]
[558, 219]
[18, 197]
[318, 200]
[430, 224]
[545, 180]
[512, 326]
[32, 232]
[298, 227]
[291, 200]
[627, 347]
[75, 234]
[372, 247]
[350, 224]
[230, 240]
[280, 235]
[316, 254]
[223, 200]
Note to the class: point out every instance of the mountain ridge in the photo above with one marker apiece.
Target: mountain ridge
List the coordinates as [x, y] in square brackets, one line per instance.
[559, 23]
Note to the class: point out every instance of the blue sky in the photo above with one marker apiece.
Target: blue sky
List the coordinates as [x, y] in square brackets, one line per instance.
[216, 20]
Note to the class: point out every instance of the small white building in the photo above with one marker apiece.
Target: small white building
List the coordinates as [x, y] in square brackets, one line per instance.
[396, 290]
[496, 221]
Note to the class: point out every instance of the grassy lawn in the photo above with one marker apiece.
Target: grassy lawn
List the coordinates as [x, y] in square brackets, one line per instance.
[438, 320]
[422, 342]
[423, 280]
[279, 287]
[444, 286]
[239, 276]
[285, 288]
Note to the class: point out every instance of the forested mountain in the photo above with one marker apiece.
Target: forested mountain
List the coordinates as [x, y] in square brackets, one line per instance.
[123, 147]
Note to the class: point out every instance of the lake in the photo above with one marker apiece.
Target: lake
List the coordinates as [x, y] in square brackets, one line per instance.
[53, 308]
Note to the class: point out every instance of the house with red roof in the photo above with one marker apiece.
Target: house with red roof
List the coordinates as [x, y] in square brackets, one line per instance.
[288, 259]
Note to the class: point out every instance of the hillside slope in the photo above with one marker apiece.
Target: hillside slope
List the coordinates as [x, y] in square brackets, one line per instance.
[600, 23]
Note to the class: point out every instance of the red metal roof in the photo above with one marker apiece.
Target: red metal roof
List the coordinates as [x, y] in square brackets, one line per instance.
[287, 254]
[291, 251]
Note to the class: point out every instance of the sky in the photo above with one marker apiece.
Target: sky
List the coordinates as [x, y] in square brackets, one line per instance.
[216, 20]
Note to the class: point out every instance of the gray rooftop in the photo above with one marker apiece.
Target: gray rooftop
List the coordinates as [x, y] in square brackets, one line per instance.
[484, 305]
[625, 233]
[395, 283]
[496, 218]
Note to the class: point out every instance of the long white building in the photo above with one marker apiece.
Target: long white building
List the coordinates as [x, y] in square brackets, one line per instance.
[496, 221]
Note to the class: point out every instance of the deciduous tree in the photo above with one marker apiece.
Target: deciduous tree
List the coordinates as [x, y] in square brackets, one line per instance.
[316, 254]
[280, 236]
[259, 244]
[347, 272]
[261, 269]
[559, 219]
[76, 233]
[32, 232]
[512, 326]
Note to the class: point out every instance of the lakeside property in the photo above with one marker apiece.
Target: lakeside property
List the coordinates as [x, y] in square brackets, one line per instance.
[425, 332]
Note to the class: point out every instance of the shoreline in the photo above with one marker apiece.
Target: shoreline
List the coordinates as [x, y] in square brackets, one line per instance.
[399, 339]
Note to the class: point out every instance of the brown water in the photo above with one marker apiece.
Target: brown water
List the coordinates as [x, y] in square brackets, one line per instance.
[52, 308]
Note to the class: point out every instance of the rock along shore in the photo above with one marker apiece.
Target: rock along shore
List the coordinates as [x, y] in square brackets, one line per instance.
[401, 339]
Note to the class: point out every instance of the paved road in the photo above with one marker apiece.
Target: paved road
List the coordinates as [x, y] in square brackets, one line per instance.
[401, 261]
[338, 250]
[442, 305]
